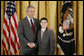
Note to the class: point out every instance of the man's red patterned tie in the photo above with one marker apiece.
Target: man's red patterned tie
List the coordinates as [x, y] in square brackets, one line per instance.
[32, 24]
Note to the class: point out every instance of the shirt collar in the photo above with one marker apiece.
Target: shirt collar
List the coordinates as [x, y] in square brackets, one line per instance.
[43, 29]
[29, 19]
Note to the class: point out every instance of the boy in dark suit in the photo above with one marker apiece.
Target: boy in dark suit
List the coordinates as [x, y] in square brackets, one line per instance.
[45, 39]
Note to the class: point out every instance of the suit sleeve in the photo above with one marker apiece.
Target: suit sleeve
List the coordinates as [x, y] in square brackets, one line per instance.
[36, 43]
[21, 34]
[52, 43]
[38, 24]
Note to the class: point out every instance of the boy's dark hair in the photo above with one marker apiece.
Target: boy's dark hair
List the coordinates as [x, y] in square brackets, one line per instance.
[44, 19]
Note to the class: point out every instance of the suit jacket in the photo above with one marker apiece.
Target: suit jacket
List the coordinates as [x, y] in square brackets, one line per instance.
[26, 35]
[47, 44]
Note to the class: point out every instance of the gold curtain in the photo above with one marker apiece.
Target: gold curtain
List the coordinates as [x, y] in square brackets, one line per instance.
[51, 10]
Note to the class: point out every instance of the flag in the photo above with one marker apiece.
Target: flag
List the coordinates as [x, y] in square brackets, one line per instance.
[10, 40]
[66, 39]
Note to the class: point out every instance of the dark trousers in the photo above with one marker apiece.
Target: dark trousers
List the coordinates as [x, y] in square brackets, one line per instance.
[31, 52]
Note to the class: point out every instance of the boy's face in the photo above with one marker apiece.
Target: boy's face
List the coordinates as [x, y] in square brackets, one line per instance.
[43, 24]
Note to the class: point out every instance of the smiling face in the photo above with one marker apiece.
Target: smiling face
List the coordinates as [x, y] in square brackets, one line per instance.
[43, 24]
[31, 12]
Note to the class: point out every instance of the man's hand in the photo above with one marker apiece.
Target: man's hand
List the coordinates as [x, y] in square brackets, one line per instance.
[31, 45]
[50, 28]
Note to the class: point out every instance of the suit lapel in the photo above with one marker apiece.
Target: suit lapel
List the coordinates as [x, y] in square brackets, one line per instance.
[35, 25]
[27, 25]
[40, 35]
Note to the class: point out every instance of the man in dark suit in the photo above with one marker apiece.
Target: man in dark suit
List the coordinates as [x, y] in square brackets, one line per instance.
[45, 39]
[27, 30]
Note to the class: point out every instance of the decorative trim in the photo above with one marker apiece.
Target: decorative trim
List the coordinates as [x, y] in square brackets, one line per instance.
[66, 40]
[62, 53]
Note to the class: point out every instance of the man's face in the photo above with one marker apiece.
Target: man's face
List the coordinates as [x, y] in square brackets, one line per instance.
[43, 24]
[31, 12]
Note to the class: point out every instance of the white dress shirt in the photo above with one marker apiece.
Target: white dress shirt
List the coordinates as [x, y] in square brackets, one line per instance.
[42, 31]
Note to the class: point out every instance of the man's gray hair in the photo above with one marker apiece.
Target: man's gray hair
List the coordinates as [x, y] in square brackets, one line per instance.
[30, 6]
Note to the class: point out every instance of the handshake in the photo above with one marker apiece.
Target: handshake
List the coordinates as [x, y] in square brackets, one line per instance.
[31, 45]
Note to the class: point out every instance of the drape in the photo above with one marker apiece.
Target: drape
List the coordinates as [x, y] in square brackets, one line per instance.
[51, 10]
